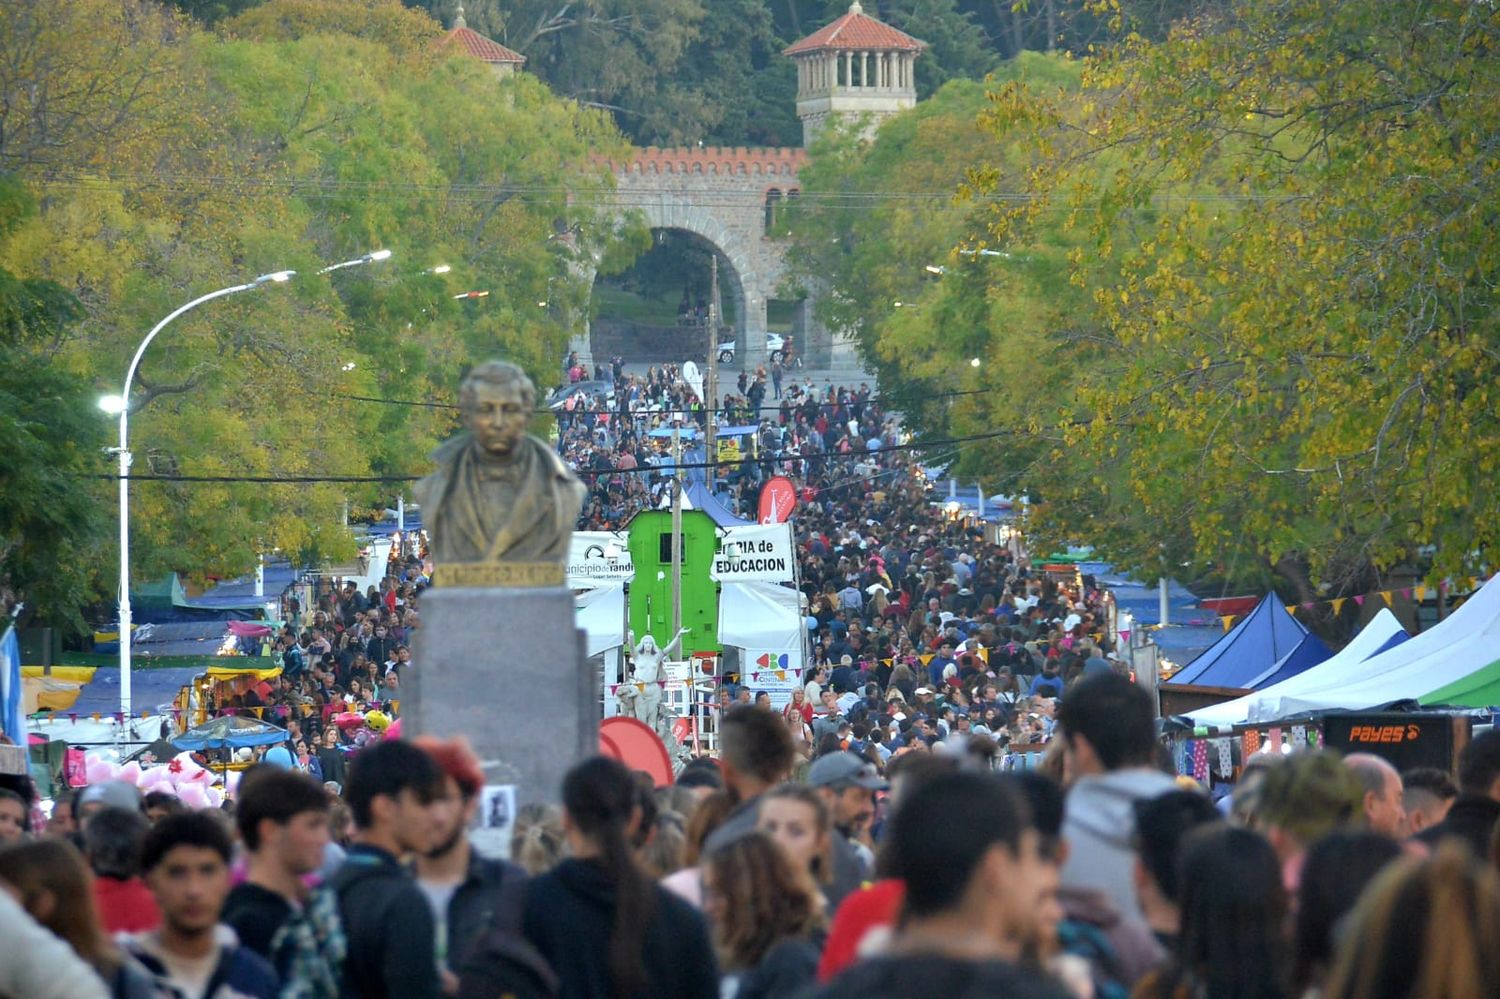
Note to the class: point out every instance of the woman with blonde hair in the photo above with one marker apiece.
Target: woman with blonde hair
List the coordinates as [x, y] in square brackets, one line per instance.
[767, 918]
[50, 880]
[1429, 928]
[536, 840]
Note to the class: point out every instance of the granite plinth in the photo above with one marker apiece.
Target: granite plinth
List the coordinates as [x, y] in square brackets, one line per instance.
[507, 669]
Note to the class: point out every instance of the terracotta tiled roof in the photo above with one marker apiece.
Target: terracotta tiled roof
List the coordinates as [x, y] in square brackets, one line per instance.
[721, 160]
[471, 42]
[857, 30]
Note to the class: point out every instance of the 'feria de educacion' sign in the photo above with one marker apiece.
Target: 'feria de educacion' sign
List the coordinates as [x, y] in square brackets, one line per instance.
[754, 553]
[759, 552]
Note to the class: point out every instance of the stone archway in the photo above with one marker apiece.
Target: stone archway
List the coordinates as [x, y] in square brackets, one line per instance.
[659, 339]
[719, 195]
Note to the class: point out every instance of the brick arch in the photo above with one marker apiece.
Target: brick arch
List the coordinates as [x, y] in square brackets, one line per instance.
[719, 196]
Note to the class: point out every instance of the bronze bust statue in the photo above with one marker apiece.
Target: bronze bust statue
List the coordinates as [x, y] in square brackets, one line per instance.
[498, 494]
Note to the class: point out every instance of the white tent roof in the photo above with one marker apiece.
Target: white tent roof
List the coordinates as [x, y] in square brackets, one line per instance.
[1347, 662]
[601, 615]
[1463, 643]
[761, 616]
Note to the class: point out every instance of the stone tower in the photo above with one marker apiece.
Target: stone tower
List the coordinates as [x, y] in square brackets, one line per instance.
[857, 68]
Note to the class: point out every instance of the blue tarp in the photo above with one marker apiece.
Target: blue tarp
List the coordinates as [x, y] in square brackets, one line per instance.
[240, 593]
[150, 690]
[697, 494]
[388, 527]
[176, 638]
[1265, 637]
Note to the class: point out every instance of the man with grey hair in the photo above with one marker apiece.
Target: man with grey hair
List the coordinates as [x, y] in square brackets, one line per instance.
[112, 840]
[1384, 810]
[498, 495]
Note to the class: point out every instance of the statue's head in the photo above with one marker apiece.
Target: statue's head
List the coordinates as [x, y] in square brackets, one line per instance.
[648, 645]
[495, 400]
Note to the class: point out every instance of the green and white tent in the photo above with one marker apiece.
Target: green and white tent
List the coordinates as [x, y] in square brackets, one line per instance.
[1456, 662]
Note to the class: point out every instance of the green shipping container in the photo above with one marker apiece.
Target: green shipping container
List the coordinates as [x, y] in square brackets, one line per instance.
[650, 538]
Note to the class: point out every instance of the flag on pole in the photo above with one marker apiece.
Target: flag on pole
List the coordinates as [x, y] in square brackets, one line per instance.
[11, 719]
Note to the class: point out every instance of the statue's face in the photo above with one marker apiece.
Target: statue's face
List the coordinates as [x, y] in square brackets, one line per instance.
[496, 415]
[649, 645]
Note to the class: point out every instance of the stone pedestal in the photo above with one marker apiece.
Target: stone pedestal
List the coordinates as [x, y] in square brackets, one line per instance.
[506, 668]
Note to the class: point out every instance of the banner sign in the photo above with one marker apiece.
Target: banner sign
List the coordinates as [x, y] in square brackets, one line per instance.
[758, 552]
[778, 498]
[776, 673]
[598, 556]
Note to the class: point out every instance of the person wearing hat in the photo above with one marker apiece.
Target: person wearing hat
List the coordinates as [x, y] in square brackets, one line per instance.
[847, 784]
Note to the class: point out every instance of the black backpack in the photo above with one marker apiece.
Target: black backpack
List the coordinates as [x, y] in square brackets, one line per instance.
[505, 965]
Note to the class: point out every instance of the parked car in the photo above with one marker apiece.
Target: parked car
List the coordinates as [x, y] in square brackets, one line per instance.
[584, 390]
[775, 348]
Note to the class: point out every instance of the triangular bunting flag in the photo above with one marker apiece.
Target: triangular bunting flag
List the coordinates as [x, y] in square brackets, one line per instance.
[1421, 592]
[1386, 596]
[1226, 621]
[1291, 608]
[1338, 605]
[1309, 605]
[1359, 601]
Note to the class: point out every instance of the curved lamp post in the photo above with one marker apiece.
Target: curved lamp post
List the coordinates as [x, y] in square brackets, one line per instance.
[120, 404]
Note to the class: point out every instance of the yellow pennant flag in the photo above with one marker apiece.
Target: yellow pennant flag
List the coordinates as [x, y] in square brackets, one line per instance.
[1226, 621]
[1386, 596]
[1421, 592]
[1473, 582]
[1291, 608]
[1338, 605]
[260, 712]
[96, 716]
[927, 658]
[781, 674]
[984, 655]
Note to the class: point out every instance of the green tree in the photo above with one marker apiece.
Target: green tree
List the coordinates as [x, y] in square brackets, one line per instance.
[1289, 214]
[303, 132]
[50, 518]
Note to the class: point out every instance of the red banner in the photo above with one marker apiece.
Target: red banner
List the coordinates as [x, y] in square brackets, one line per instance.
[778, 498]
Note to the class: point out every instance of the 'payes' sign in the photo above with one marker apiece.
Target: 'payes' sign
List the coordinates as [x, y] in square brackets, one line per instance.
[762, 553]
[1405, 740]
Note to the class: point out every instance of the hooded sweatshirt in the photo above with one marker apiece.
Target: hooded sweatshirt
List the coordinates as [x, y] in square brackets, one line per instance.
[569, 916]
[1099, 824]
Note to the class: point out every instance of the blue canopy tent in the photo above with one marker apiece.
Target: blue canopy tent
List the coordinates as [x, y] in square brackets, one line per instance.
[697, 497]
[1265, 639]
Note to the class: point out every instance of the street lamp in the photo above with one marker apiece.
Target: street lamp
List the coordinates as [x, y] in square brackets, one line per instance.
[120, 405]
[374, 256]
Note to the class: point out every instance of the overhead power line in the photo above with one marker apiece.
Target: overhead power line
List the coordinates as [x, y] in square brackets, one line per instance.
[643, 469]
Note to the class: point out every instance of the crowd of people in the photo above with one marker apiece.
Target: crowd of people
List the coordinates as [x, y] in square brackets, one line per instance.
[965, 794]
[820, 437]
[752, 876]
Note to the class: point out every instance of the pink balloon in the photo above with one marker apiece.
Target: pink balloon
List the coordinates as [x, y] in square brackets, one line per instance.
[192, 795]
[215, 797]
[162, 787]
[232, 780]
[394, 730]
[130, 773]
[155, 775]
[99, 771]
